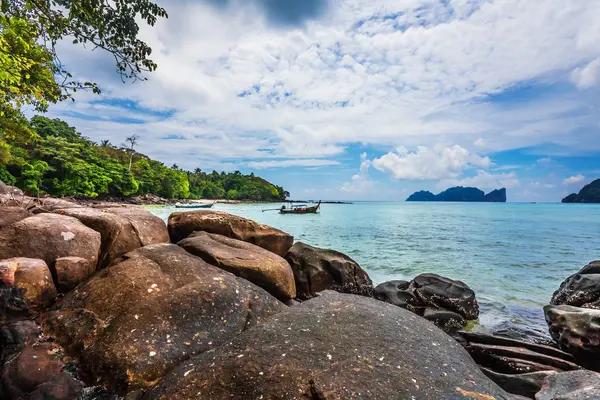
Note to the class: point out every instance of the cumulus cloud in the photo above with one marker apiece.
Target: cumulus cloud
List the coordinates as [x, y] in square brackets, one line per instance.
[484, 180]
[361, 182]
[574, 179]
[588, 76]
[381, 72]
[425, 163]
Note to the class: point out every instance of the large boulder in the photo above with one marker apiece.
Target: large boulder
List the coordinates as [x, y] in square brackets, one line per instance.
[32, 277]
[440, 292]
[152, 309]
[397, 293]
[122, 229]
[246, 260]
[48, 237]
[581, 289]
[337, 346]
[576, 330]
[51, 204]
[182, 224]
[10, 190]
[317, 269]
[575, 385]
[11, 214]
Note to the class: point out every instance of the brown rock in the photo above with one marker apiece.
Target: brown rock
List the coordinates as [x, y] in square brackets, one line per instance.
[32, 276]
[11, 214]
[122, 229]
[336, 346]
[182, 224]
[70, 272]
[246, 260]
[151, 310]
[48, 237]
[51, 204]
[318, 269]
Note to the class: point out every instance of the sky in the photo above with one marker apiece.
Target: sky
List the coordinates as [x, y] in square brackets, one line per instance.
[362, 99]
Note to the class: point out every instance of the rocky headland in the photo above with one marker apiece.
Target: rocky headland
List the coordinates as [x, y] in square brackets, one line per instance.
[109, 302]
[590, 193]
[461, 194]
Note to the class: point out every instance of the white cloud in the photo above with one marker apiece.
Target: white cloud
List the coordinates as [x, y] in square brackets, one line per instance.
[291, 163]
[412, 72]
[587, 76]
[360, 182]
[574, 179]
[435, 163]
[542, 185]
[484, 180]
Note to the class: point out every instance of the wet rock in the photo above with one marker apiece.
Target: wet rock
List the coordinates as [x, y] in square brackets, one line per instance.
[48, 237]
[576, 330]
[11, 214]
[575, 385]
[440, 292]
[70, 272]
[317, 269]
[448, 321]
[397, 293]
[259, 266]
[151, 310]
[182, 224]
[14, 336]
[526, 385]
[517, 366]
[336, 346]
[30, 275]
[581, 289]
[122, 229]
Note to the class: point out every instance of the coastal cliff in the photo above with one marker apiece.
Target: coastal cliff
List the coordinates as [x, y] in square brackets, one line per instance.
[590, 193]
[461, 194]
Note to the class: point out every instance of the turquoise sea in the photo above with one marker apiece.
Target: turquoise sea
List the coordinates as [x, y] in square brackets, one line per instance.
[512, 255]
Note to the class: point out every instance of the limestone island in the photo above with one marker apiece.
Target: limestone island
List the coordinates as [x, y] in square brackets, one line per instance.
[590, 193]
[459, 193]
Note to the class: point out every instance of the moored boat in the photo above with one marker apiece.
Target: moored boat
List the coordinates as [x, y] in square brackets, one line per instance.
[300, 209]
[194, 205]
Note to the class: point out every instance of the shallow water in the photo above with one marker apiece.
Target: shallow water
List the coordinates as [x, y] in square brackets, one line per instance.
[512, 255]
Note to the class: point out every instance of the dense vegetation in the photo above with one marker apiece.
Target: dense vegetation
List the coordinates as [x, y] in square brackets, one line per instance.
[59, 161]
[590, 193]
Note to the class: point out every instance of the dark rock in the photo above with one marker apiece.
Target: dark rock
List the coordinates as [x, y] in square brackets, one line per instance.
[574, 385]
[48, 237]
[462, 194]
[14, 336]
[448, 321]
[336, 346]
[397, 293]
[32, 276]
[527, 384]
[11, 214]
[259, 266]
[317, 269]
[590, 193]
[581, 289]
[149, 311]
[517, 366]
[182, 224]
[440, 292]
[576, 330]
[122, 229]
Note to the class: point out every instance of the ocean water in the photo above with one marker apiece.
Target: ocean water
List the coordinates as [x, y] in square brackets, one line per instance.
[513, 255]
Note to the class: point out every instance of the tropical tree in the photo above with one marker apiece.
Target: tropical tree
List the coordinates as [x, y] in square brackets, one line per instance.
[130, 147]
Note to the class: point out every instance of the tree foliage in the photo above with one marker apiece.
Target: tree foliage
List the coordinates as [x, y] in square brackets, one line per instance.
[31, 72]
[59, 161]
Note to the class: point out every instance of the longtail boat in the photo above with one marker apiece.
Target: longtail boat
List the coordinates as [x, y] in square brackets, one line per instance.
[300, 209]
[194, 205]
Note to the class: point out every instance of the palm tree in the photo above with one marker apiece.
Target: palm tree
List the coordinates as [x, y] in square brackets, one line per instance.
[105, 143]
[133, 141]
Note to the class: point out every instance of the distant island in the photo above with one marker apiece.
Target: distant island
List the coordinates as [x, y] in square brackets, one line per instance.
[459, 193]
[590, 193]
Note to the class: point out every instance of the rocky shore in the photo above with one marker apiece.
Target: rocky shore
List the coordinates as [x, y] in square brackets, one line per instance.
[105, 301]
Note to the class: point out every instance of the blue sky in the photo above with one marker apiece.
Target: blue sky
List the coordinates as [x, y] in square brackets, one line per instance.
[363, 99]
